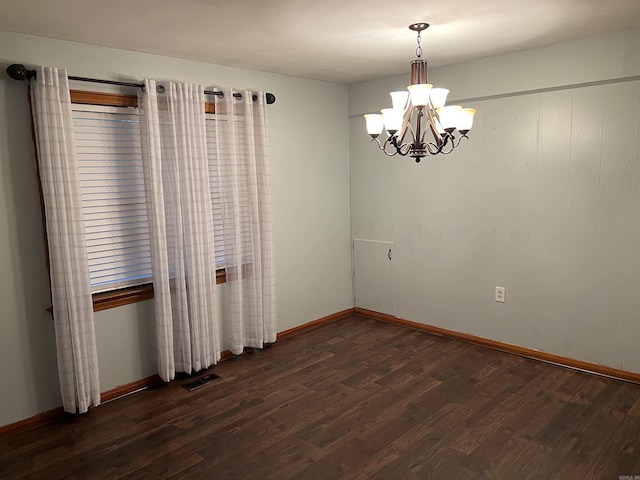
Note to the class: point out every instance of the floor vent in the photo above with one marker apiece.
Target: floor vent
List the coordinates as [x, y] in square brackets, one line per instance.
[200, 382]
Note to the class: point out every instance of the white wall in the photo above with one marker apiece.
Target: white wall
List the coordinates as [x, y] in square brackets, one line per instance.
[310, 202]
[543, 199]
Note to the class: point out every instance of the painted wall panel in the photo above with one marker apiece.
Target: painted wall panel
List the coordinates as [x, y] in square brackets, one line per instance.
[582, 218]
[612, 237]
[426, 234]
[476, 228]
[549, 328]
[522, 146]
[631, 330]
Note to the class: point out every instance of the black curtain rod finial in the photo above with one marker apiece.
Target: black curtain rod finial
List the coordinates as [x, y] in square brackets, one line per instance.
[17, 71]
[270, 98]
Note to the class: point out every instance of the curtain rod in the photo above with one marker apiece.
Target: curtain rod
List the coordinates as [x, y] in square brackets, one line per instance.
[18, 71]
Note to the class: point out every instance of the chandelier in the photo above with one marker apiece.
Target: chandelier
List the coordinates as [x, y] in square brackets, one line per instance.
[419, 116]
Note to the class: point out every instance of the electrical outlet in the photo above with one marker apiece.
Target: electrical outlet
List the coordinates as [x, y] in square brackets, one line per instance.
[500, 294]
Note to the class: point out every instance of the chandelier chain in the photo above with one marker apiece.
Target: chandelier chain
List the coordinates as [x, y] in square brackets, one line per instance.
[419, 49]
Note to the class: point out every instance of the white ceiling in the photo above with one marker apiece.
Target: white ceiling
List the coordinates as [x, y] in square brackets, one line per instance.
[343, 41]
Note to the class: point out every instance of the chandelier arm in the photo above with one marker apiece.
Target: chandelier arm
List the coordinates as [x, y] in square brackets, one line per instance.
[453, 145]
[433, 118]
[462, 135]
[400, 146]
[383, 147]
[406, 127]
[393, 154]
[407, 149]
[418, 136]
[432, 148]
[392, 140]
[447, 153]
[406, 123]
[413, 132]
[444, 141]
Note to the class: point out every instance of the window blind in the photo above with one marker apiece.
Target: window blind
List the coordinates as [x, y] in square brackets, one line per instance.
[216, 190]
[113, 196]
[230, 189]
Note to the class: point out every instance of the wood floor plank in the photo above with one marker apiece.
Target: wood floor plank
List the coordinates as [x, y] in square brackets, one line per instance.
[620, 452]
[356, 398]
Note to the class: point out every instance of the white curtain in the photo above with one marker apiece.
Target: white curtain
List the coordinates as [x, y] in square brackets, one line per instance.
[249, 296]
[70, 287]
[181, 227]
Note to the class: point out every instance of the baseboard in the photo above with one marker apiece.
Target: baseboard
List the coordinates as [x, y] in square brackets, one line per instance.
[315, 324]
[32, 422]
[507, 347]
[130, 388]
[55, 414]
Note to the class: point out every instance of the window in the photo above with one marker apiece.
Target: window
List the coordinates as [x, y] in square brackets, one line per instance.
[107, 134]
[113, 195]
[229, 251]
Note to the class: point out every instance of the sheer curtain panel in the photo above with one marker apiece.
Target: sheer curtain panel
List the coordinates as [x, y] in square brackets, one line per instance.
[242, 160]
[70, 288]
[175, 162]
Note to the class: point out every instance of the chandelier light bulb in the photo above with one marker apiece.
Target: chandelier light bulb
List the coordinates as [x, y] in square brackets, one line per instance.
[419, 94]
[449, 117]
[399, 99]
[375, 124]
[465, 120]
[392, 119]
[438, 97]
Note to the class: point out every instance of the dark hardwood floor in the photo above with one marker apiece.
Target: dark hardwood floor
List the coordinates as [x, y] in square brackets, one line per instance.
[354, 399]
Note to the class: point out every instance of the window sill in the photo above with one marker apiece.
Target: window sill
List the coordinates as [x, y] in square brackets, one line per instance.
[123, 296]
[139, 293]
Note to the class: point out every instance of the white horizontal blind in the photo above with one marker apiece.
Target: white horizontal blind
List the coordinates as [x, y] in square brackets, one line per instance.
[216, 190]
[114, 204]
[113, 196]
[229, 196]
